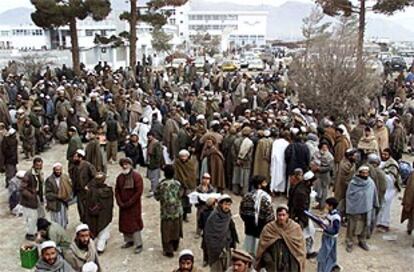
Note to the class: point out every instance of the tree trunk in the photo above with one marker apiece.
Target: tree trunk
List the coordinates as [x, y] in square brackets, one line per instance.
[133, 36]
[75, 46]
[361, 33]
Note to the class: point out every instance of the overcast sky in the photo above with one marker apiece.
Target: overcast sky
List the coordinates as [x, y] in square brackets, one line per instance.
[5, 5]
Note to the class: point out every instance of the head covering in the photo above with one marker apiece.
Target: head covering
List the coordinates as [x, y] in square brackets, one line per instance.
[184, 122]
[373, 158]
[185, 252]
[296, 111]
[246, 131]
[309, 176]
[90, 267]
[244, 100]
[57, 164]
[184, 152]
[224, 197]
[145, 120]
[239, 254]
[282, 205]
[47, 244]
[125, 160]
[11, 131]
[214, 123]
[363, 168]
[81, 227]
[200, 117]
[267, 133]
[81, 152]
[73, 129]
[20, 174]
[294, 130]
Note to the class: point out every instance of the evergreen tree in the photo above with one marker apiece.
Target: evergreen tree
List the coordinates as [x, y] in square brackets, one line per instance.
[58, 13]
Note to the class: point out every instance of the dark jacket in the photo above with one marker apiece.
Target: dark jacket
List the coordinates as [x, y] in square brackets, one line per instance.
[297, 155]
[134, 152]
[100, 203]
[9, 149]
[111, 130]
[155, 159]
[299, 201]
[31, 188]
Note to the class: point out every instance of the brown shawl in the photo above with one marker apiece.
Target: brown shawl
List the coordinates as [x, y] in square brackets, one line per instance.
[186, 173]
[291, 234]
[215, 167]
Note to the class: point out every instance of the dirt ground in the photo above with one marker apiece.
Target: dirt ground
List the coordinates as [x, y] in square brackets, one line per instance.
[385, 255]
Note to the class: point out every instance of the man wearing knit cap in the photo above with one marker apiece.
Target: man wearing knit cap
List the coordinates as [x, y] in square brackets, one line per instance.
[82, 249]
[50, 259]
[361, 204]
[243, 149]
[186, 262]
[241, 261]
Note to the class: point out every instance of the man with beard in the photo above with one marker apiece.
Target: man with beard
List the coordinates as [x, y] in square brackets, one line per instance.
[169, 193]
[128, 191]
[212, 162]
[186, 173]
[154, 161]
[82, 173]
[361, 202]
[9, 151]
[133, 150]
[220, 235]
[50, 259]
[58, 191]
[93, 152]
[282, 245]
[82, 249]
[32, 197]
[346, 170]
[100, 203]
[186, 262]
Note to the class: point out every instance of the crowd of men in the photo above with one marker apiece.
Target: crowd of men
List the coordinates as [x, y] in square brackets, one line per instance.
[213, 135]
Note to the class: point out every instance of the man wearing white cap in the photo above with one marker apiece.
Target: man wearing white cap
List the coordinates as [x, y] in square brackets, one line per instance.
[58, 191]
[50, 259]
[186, 262]
[9, 150]
[82, 250]
[14, 193]
[278, 164]
[75, 143]
[361, 203]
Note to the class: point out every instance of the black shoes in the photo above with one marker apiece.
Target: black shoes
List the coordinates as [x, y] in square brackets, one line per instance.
[128, 245]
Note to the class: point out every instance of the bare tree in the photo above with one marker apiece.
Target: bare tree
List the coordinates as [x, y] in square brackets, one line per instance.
[34, 64]
[329, 81]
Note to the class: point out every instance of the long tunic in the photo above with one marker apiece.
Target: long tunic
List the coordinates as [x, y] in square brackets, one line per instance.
[94, 155]
[262, 158]
[278, 166]
[128, 199]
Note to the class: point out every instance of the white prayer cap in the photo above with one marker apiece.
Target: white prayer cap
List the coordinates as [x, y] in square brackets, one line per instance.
[247, 110]
[90, 267]
[183, 152]
[214, 122]
[310, 111]
[93, 94]
[206, 175]
[200, 117]
[79, 98]
[224, 197]
[11, 131]
[81, 227]
[20, 174]
[42, 95]
[60, 89]
[80, 152]
[303, 129]
[145, 120]
[57, 164]
[47, 244]
[244, 100]
[363, 168]
[294, 130]
[296, 111]
[169, 95]
[82, 119]
[185, 252]
[20, 110]
[184, 122]
[308, 175]
[266, 133]
[216, 114]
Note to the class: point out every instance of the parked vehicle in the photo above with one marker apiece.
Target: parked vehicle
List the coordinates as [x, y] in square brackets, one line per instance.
[256, 65]
[229, 66]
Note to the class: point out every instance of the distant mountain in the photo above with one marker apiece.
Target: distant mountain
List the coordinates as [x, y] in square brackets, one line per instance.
[284, 21]
[17, 16]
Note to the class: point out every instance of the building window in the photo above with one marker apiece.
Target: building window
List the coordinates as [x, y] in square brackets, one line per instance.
[181, 34]
[89, 33]
[103, 32]
[181, 22]
[172, 21]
